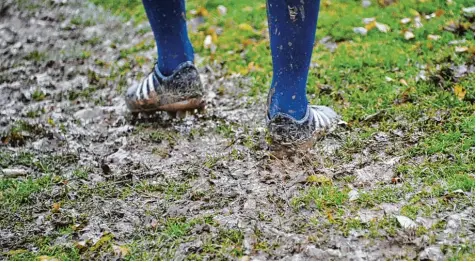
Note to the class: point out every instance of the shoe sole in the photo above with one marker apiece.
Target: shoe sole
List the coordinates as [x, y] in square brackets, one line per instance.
[180, 109]
[282, 151]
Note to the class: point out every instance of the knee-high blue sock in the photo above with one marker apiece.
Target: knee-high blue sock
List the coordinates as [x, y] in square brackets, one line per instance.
[292, 29]
[167, 19]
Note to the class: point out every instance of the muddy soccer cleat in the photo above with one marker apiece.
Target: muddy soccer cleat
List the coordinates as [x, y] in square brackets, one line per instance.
[180, 92]
[290, 135]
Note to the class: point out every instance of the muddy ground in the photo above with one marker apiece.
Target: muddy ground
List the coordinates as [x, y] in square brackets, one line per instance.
[103, 186]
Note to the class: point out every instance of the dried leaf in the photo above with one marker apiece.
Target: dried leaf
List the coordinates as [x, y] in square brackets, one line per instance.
[246, 27]
[360, 30]
[382, 27]
[406, 222]
[439, 12]
[405, 20]
[370, 25]
[368, 20]
[247, 42]
[434, 37]
[461, 49]
[208, 44]
[408, 35]
[459, 91]
[417, 23]
[469, 11]
[55, 208]
[403, 82]
[202, 11]
[221, 10]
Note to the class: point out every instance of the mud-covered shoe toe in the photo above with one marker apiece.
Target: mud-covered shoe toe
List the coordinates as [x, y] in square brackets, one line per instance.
[318, 121]
[180, 91]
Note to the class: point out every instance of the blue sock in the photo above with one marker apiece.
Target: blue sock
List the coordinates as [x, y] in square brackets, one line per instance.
[167, 19]
[292, 29]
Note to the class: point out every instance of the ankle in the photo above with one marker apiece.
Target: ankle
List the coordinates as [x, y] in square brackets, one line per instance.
[291, 105]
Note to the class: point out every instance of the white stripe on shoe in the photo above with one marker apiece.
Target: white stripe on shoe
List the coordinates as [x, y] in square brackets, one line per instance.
[145, 94]
[139, 88]
[151, 83]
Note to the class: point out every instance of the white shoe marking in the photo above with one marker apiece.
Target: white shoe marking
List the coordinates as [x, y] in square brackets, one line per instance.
[138, 90]
[151, 82]
[144, 89]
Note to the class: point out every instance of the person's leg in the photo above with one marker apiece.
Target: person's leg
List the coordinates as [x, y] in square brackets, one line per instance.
[167, 19]
[292, 29]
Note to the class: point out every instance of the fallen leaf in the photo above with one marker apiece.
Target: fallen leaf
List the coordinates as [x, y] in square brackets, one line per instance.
[246, 27]
[55, 208]
[406, 222]
[388, 79]
[461, 49]
[459, 91]
[408, 35]
[368, 20]
[366, 3]
[404, 97]
[439, 12]
[469, 11]
[382, 27]
[208, 44]
[221, 10]
[403, 82]
[360, 30]
[370, 26]
[202, 11]
[417, 23]
[434, 37]
[405, 20]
